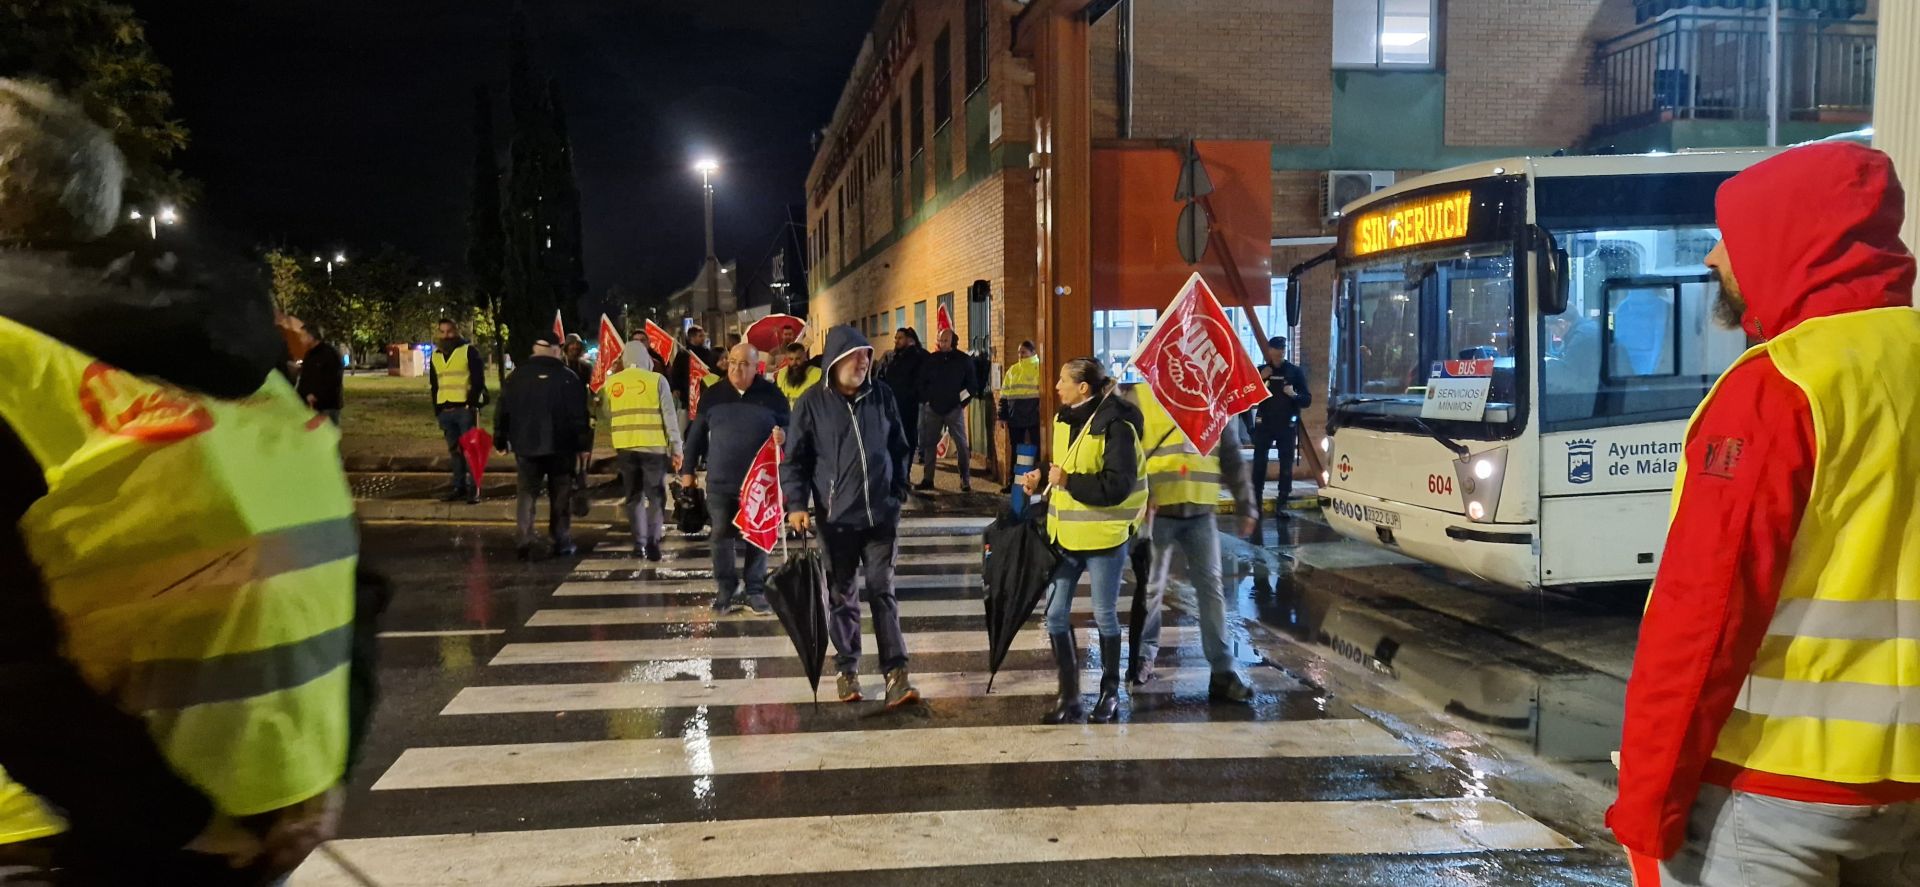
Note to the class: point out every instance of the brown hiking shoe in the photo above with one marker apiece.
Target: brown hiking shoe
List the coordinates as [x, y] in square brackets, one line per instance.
[900, 690]
[849, 686]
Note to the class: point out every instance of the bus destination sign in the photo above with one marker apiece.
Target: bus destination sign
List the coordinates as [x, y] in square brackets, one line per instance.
[1434, 219]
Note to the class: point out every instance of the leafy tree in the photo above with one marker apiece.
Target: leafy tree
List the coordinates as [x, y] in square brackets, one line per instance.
[96, 53]
[486, 242]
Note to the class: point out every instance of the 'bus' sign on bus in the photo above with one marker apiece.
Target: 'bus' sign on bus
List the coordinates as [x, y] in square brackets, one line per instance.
[1417, 222]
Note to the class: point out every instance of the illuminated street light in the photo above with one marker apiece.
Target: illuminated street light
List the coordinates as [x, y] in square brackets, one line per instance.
[167, 215]
[707, 166]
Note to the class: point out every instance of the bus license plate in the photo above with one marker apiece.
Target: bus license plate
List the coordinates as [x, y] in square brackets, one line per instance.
[1381, 517]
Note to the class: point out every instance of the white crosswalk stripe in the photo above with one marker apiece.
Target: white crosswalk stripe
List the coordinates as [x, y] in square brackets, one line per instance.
[758, 848]
[694, 614]
[669, 693]
[630, 682]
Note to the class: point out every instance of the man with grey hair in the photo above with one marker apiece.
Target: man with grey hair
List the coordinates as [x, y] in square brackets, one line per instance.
[737, 415]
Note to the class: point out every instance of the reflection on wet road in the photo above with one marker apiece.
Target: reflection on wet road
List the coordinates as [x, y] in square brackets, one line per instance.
[590, 722]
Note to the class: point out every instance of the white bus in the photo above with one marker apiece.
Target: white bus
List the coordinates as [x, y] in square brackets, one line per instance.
[1517, 347]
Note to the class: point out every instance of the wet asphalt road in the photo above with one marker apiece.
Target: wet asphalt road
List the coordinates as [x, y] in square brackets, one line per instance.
[620, 739]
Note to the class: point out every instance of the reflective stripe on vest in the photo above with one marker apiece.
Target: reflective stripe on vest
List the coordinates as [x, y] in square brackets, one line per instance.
[1834, 691]
[1022, 380]
[1076, 526]
[448, 366]
[214, 597]
[793, 392]
[1177, 473]
[634, 395]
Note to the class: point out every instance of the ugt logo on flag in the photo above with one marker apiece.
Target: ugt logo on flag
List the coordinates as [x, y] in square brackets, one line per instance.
[1196, 368]
[761, 505]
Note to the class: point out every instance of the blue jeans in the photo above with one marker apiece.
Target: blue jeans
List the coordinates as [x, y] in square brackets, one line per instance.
[1198, 538]
[1106, 567]
[454, 423]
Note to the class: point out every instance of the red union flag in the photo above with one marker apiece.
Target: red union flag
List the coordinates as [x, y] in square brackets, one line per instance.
[1196, 368]
[696, 371]
[761, 505]
[559, 330]
[610, 353]
[660, 342]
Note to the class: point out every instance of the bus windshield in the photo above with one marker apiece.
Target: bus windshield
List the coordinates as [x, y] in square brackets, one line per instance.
[1637, 342]
[1399, 321]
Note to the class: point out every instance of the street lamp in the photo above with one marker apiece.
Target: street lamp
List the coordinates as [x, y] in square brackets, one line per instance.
[707, 166]
[167, 215]
[339, 258]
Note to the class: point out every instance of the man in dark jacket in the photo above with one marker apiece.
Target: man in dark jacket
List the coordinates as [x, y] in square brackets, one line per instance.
[1276, 420]
[696, 345]
[542, 420]
[737, 415]
[457, 399]
[848, 457]
[900, 371]
[946, 384]
[320, 374]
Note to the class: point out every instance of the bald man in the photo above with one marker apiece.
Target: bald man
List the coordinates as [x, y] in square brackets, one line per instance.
[737, 415]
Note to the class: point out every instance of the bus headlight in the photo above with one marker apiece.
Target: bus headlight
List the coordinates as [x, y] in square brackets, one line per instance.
[1480, 476]
[1326, 480]
[1326, 444]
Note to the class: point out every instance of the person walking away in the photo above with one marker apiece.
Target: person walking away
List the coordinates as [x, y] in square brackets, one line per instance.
[1183, 494]
[1097, 495]
[946, 383]
[1020, 405]
[736, 417]
[646, 443]
[847, 456]
[1770, 733]
[542, 420]
[695, 345]
[457, 380]
[320, 374]
[900, 370]
[1275, 422]
[173, 522]
[799, 373]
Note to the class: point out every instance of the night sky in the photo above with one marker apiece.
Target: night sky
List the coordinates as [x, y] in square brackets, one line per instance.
[348, 123]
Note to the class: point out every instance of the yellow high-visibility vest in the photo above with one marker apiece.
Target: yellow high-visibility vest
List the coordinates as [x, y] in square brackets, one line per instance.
[634, 395]
[793, 392]
[199, 554]
[1834, 688]
[1022, 379]
[1076, 526]
[1177, 472]
[453, 372]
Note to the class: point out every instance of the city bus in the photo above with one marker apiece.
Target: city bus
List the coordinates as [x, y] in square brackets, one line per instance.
[1517, 347]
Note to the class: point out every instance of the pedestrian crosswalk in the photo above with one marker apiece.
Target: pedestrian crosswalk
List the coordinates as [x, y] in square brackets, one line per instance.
[623, 734]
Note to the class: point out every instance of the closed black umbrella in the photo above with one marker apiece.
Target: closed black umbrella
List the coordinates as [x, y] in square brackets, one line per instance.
[797, 590]
[1019, 565]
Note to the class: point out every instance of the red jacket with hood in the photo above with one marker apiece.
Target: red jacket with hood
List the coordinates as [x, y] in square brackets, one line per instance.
[1812, 232]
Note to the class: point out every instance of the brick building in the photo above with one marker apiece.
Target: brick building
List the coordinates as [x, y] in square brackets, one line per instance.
[1348, 95]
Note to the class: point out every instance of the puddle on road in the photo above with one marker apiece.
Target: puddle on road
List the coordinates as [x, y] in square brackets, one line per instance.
[1566, 714]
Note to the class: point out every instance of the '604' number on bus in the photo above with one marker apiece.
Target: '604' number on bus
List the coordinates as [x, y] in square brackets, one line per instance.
[1440, 484]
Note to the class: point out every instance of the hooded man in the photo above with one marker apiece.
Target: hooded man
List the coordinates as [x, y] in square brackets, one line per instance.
[646, 440]
[1772, 729]
[848, 457]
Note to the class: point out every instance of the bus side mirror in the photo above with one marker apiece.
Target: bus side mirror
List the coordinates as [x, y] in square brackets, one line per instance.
[1554, 275]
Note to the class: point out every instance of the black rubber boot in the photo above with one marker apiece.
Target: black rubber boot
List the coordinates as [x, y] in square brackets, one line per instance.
[1067, 709]
[1106, 709]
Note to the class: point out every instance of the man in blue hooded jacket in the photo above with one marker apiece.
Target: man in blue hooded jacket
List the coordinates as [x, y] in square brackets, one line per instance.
[847, 454]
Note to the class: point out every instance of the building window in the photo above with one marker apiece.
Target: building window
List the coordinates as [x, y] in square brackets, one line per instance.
[1384, 33]
[976, 44]
[942, 79]
[893, 127]
[917, 110]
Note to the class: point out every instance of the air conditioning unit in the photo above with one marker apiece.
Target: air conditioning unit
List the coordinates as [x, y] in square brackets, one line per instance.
[1345, 186]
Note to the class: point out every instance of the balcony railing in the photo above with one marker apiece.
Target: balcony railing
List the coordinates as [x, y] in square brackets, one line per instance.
[1714, 67]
